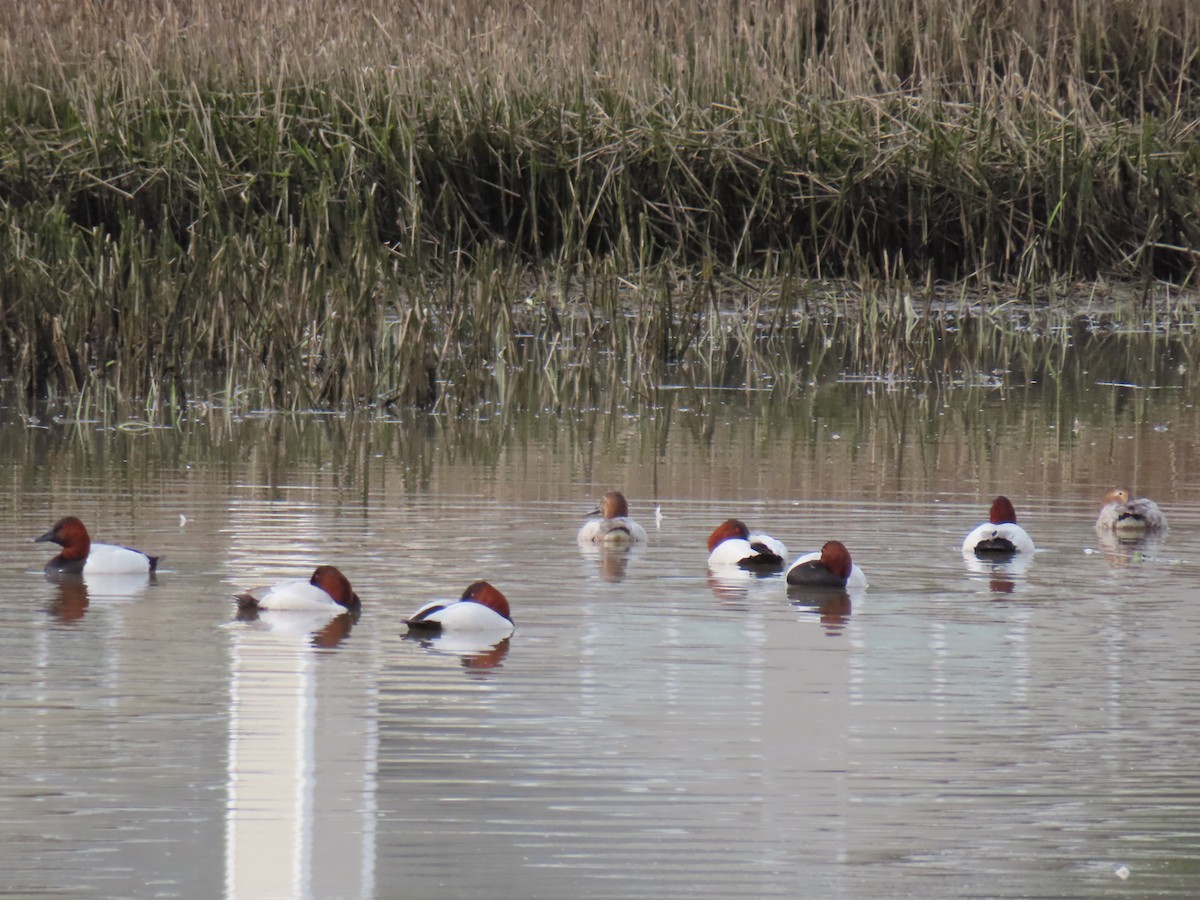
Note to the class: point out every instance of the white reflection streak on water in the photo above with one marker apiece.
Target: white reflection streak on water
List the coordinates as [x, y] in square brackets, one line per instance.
[301, 778]
[270, 771]
[855, 697]
[1114, 638]
[1018, 636]
[937, 648]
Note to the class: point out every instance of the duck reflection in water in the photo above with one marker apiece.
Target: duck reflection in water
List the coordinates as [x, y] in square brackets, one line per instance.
[1122, 551]
[71, 602]
[611, 563]
[316, 629]
[473, 652]
[832, 606]
[75, 592]
[731, 586]
[1002, 572]
[1001, 585]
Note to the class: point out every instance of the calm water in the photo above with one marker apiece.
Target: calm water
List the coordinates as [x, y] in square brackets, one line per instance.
[647, 730]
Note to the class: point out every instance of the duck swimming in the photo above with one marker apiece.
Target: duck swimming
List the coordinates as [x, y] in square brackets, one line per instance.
[732, 544]
[1000, 535]
[80, 556]
[831, 567]
[614, 528]
[481, 608]
[1129, 516]
[328, 590]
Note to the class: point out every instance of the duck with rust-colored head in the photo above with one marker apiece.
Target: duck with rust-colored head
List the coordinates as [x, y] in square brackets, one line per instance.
[832, 567]
[614, 528]
[1000, 535]
[481, 609]
[1128, 516]
[732, 545]
[80, 556]
[327, 589]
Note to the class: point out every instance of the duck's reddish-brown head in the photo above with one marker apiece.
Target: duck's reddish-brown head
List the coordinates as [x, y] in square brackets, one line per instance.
[730, 528]
[612, 505]
[1002, 512]
[70, 534]
[836, 558]
[484, 594]
[335, 584]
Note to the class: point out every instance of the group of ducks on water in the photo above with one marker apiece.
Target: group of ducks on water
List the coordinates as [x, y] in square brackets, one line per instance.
[483, 608]
[731, 546]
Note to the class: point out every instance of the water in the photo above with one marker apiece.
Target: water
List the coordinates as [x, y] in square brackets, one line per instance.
[648, 730]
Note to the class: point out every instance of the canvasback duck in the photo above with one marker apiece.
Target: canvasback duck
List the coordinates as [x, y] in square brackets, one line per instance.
[481, 608]
[614, 528]
[1000, 535]
[831, 567]
[1126, 515]
[80, 556]
[732, 544]
[327, 590]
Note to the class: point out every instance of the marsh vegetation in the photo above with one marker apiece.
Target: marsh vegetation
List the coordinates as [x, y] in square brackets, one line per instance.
[320, 204]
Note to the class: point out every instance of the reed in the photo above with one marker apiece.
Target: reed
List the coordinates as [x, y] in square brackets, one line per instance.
[333, 204]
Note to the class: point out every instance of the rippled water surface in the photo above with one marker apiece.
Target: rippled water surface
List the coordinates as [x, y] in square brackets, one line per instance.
[648, 729]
